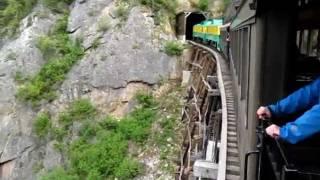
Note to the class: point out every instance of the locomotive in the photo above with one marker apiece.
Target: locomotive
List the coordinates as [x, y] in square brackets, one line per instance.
[208, 32]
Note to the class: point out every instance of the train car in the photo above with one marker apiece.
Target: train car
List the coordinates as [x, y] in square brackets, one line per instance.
[197, 32]
[273, 48]
[208, 32]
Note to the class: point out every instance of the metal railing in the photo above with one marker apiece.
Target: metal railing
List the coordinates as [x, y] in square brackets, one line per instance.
[283, 166]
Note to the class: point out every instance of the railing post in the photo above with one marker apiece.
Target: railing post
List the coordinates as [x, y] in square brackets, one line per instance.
[248, 154]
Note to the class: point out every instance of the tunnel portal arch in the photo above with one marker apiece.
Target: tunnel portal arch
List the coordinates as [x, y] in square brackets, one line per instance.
[185, 23]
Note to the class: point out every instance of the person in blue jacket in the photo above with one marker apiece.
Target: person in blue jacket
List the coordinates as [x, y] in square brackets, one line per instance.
[306, 99]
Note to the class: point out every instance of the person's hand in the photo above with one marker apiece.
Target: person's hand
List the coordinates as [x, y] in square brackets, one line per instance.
[273, 131]
[263, 112]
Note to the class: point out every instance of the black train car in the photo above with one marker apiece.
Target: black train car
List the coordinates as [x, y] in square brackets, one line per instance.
[274, 48]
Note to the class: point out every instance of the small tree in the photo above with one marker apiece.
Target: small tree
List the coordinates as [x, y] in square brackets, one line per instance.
[173, 48]
[203, 5]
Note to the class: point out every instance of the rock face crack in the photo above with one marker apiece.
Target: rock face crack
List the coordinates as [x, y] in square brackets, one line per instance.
[25, 149]
[91, 46]
[74, 30]
[132, 82]
[8, 160]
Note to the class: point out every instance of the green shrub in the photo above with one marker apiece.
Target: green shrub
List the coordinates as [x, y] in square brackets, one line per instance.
[146, 100]
[135, 129]
[122, 11]
[42, 124]
[3, 5]
[173, 48]
[65, 118]
[60, 28]
[36, 167]
[137, 125]
[61, 54]
[89, 129]
[203, 5]
[82, 109]
[161, 9]
[128, 169]
[58, 133]
[47, 46]
[59, 174]
[102, 157]
[12, 56]
[226, 4]
[104, 24]
[20, 78]
[157, 5]
[109, 123]
[79, 110]
[101, 151]
[167, 126]
[59, 6]
[95, 44]
[11, 13]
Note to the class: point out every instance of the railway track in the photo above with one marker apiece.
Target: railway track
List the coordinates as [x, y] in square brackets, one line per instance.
[211, 135]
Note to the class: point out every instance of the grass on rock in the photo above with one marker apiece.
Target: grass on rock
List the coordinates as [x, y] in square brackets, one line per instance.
[173, 48]
[11, 13]
[61, 54]
[101, 149]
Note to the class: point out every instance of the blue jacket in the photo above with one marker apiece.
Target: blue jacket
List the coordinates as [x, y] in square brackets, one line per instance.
[305, 99]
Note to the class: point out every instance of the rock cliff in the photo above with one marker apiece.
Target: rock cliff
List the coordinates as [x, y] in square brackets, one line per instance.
[123, 55]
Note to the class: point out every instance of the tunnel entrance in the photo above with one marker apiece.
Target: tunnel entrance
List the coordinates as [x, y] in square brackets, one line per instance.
[185, 23]
[191, 20]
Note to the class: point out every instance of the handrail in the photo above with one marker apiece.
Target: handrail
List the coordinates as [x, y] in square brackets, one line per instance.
[261, 135]
[247, 155]
[224, 127]
[260, 147]
[283, 155]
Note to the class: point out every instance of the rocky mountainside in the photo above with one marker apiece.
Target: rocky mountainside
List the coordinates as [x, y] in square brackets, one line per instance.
[122, 53]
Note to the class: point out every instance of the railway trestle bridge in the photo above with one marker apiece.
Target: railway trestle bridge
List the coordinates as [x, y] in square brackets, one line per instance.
[209, 149]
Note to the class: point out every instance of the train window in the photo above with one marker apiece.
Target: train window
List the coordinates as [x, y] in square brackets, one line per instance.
[308, 42]
[318, 45]
[305, 3]
[313, 44]
[238, 52]
[298, 39]
[302, 3]
[244, 62]
[245, 69]
[239, 56]
[304, 42]
[233, 48]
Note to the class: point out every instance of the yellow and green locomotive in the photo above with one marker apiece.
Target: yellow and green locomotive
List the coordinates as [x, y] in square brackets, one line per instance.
[208, 32]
